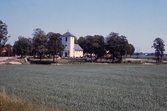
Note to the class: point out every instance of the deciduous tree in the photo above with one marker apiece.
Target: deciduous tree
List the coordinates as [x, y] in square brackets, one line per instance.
[23, 46]
[55, 47]
[3, 34]
[82, 43]
[90, 45]
[122, 44]
[94, 45]
[131, 49]
[99, 50]
[39, 42]
[112, 44]
[158, 45]
[117, 45]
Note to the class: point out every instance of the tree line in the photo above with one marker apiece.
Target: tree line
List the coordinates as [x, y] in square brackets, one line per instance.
[50, 43]
[39, 45]
[114, 44]
[117, 46]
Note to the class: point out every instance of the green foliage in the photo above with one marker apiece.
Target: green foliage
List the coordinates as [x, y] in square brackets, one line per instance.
[3, 33]
[23, 46]
[158, 45]
[117, 45]
[131, 49]
[123, 45]
[90, 44]
[75, 40]
[55, 47]
[99, 46]
[93, 45]
[39, 42]
[82, 43]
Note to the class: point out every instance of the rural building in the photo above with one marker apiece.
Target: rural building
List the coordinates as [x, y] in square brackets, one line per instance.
[7, 51]
[71, 49]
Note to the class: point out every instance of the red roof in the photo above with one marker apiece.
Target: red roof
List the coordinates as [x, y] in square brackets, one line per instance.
[4, 50]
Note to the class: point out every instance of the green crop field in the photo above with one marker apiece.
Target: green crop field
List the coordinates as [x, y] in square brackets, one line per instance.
[89, 87]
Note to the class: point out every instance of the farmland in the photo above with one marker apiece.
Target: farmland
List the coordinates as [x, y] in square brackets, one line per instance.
[85, 87]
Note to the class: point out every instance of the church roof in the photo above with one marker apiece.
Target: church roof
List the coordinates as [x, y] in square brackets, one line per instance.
[77, 47]
[67, 34]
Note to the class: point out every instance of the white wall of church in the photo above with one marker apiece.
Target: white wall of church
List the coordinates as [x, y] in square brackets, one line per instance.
[78, 53]
[71, 42]
[68, 42]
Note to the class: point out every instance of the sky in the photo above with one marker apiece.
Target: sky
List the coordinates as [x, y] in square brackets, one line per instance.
[141, 21]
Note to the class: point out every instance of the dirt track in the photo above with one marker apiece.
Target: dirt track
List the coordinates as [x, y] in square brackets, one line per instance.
[3, 60]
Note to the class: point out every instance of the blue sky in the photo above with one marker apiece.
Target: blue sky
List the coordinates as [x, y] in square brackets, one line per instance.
[141, 21]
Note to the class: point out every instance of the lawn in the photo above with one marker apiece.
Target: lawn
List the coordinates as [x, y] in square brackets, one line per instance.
[85, 87]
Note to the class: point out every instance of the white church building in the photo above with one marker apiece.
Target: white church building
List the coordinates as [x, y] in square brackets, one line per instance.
[71, 49]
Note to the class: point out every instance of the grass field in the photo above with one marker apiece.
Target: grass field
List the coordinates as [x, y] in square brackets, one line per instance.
[85, 87]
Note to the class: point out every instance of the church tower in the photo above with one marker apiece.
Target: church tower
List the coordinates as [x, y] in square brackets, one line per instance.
[67, 40]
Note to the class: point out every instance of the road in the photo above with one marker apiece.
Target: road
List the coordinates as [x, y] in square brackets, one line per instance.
[5, 58]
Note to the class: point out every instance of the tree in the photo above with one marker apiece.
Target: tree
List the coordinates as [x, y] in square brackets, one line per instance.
[112, 45]
[123, 46]
[94, 45]
[117, 45]
[23, 46]
[158, 45]
[75, 40]
[55, 47]
[3, 34]
[82, 43]
[131, 49]
[89, 44]
[100, 46]
[39, 42]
